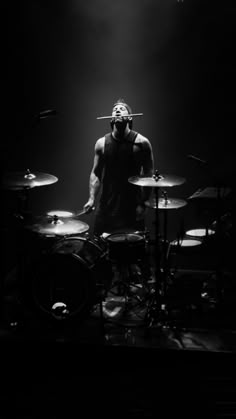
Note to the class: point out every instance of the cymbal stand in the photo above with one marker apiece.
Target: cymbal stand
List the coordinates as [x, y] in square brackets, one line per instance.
[23, 201]
[155, 306]
[165, 246]
[21, 241]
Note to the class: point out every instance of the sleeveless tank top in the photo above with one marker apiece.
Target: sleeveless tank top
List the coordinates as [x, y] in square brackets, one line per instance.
[119, 198]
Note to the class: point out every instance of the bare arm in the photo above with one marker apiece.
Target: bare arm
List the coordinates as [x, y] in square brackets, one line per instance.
[95, 175]
[148, 167]
[147, 171]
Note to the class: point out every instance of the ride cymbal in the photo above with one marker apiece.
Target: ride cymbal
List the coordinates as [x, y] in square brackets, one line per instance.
[161, 181]
[26, 180]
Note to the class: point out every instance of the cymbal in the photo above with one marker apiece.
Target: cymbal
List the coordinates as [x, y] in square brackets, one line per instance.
[60, 213]
[54, 226]
[26, 180]
[160, 181]
[169, 203]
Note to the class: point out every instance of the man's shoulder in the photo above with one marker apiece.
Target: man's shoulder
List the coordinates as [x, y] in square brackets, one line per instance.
[100, 143]
[142, 139]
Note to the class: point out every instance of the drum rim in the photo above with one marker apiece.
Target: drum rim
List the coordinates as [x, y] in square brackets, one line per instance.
[209, 232]
[180, 242]
[125, 235]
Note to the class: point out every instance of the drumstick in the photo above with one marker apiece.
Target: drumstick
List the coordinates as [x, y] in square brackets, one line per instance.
[121, 116]
[83, 211]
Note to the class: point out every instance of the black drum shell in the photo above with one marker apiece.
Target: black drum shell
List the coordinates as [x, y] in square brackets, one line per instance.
[126, 247]
[75, 271]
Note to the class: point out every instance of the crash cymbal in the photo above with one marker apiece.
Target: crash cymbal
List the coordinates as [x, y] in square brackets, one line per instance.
[169, 203]
[26, 180]
[55, 226]
[160, 181]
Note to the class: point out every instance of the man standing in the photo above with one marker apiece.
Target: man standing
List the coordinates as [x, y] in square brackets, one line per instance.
[119, 155]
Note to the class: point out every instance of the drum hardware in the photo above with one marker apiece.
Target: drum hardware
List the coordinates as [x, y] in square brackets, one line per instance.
[126, 251]
[125, 288]
[213, 199]
[20, 183]
[185, 245]
[156, 306]
[165, 203]
[60, 311]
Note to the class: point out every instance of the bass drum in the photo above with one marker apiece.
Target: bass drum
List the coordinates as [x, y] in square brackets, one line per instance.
[69, 279]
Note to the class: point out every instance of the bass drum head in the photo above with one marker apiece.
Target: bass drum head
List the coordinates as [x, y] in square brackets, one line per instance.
[66, 282]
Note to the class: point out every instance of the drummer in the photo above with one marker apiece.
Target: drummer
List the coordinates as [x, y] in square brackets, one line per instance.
[119, 155]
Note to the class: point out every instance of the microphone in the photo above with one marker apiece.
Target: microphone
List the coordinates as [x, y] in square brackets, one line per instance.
[191, 157]
[47, 113]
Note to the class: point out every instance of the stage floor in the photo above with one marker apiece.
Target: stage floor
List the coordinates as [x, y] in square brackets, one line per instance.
[126, 356]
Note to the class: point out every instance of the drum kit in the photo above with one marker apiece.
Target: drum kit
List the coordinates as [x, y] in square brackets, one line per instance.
[76, 273]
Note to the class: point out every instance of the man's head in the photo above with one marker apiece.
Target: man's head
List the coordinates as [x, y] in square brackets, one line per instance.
[120, 113]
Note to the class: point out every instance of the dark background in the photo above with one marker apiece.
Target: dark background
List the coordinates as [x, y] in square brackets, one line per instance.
[174, 61]
[171, 60]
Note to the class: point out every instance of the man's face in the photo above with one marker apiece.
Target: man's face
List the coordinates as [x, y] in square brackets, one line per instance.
[118, 112]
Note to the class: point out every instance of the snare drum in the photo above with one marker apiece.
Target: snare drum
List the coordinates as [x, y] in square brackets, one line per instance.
[126, 247]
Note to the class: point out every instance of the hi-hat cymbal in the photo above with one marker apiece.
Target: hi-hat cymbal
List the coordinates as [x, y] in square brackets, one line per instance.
[26, 180]
[54, 226]
[160, 181]
[169, 203]
[60, 213]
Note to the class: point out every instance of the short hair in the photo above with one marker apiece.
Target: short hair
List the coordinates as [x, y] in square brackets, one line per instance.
[121, 101]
